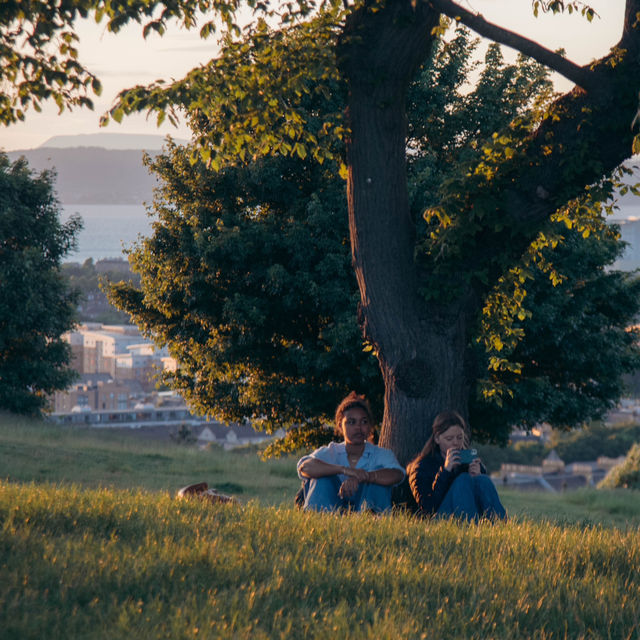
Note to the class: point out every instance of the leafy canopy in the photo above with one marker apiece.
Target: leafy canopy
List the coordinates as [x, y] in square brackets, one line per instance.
[36, 304]
[247, 276]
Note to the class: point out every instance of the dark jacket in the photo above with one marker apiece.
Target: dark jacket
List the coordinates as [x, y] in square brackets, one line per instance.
[430, 481]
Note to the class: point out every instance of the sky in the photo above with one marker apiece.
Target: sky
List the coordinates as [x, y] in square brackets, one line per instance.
[126, 59]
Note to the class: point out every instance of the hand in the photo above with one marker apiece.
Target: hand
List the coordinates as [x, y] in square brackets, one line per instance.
[452, 460]
[474, 468]
[359, 474]
[348, 488]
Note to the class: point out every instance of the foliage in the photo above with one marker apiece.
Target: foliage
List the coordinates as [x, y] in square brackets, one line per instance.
[581, 445]
[246, 280]
[131, 563]
[594, 440]
[252, 101]
[183, 435]
[246, 277]
[556, 368]
[88, 279]
[36, 304]
[39, 59]
[625, 475]
[38, 45]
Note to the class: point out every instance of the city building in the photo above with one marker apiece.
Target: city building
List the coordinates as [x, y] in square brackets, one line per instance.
[117, 350]
[117, 369]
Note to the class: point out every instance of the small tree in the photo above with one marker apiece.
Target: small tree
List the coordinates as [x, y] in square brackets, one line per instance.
[36, 304]
[626, 475]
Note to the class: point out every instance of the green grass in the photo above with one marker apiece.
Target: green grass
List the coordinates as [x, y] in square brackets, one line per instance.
[94, 458]
[611, 507]
[92, 564]
[94, 545]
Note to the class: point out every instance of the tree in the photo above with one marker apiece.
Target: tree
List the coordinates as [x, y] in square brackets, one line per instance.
[36, 304]
[252, 264]
[578, 339]
[626, 475]
[90, 279]
[484, 220]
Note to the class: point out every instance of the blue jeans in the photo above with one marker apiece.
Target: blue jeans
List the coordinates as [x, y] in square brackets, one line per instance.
[472, 498]
[321, 494]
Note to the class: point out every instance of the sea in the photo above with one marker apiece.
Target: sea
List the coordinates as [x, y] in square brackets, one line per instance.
[108, 229]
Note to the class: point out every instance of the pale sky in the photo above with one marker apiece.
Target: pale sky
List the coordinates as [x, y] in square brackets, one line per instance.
[125, 59]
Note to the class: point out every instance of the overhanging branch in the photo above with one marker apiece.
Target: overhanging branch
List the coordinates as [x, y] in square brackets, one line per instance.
[580, 75]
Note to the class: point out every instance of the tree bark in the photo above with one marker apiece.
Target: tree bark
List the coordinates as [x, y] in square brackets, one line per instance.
[421, 350]
[421, 347]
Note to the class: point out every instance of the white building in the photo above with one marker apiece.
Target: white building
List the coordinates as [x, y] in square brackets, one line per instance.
[118, 350]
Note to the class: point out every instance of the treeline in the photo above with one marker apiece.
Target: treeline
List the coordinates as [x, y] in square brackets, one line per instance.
[88, 278]
[581, 445]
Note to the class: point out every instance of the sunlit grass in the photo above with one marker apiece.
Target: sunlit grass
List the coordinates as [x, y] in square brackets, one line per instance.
[119, 564]
[32, 450]
[94, 545]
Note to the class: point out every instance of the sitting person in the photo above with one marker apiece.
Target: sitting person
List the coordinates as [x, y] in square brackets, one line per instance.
[441, 485]
[352, 475]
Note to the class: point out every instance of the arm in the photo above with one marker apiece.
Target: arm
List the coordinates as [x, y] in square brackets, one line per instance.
[385, 477]
[316, 468]
[429, 483]
[384, 468]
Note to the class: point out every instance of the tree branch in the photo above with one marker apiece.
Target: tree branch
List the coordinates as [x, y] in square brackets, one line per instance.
[580, 75]
[629, 38]
[586, 136]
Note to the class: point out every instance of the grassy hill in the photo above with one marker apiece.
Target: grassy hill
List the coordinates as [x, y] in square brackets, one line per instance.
[93, 545]
[34, 451]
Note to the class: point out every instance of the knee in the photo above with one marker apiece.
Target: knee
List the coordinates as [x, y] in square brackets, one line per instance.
[463, 480]
[482, 482]
[321, 492]
[462, 485]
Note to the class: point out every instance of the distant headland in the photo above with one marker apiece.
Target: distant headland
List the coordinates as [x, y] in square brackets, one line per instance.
[109, 141]
[102, 168]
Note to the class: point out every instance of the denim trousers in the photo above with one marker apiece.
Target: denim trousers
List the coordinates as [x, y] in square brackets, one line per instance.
[321, 494]
[472, 498]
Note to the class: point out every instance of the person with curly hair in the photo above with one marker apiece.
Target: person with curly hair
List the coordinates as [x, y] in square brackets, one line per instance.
[353, 475]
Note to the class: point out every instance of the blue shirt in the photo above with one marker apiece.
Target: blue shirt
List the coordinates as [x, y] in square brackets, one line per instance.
[372, 458]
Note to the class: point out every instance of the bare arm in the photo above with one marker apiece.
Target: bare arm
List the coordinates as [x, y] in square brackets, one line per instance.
[314, 468]
[385, 477]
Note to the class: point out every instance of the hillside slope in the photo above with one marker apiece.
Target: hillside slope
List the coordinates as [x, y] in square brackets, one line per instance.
[94, 175]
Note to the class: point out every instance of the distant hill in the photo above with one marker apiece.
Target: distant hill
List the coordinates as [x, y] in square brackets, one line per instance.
[91, 175]
[101, 168]
[109, 141]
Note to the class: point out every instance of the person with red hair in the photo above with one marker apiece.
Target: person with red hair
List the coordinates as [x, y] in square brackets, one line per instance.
[444, 485]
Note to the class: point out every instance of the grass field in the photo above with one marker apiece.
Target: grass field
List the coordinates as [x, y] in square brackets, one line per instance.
[93, 458]
[94, 545]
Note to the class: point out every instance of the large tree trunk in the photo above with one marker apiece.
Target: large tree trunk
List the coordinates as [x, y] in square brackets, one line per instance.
[421, 348]
[425, 377]
[421, 351]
